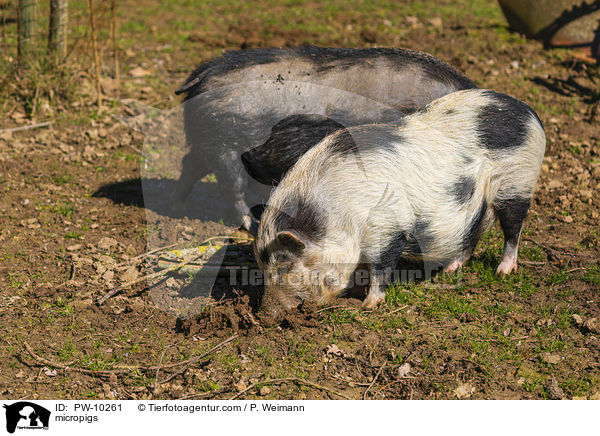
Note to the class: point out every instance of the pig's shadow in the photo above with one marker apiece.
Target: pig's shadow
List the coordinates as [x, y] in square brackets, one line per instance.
[205, 202]
[229, 275]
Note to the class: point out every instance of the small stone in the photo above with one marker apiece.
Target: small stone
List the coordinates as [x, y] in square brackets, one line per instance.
[106, 243]
[264, 391]
[551, 358]
[556, 393]
[404, 370]
[108, 275]
[567, 219]
[20, 374]
[464, 390]
[578, 319]
[171, 282]
[240, 386]
[436, 22]
[130, 275]
[138, 72]
[74, 247]
[593, 325]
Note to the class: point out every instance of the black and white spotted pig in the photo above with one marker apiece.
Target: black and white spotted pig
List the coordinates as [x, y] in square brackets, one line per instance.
[232, 102]
[423, 189]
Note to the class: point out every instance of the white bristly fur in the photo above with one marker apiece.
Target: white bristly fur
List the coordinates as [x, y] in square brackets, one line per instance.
[368, 197]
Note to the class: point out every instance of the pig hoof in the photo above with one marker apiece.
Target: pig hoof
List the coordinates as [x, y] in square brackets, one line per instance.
[506, 267]
[372, 301]
[453, 266]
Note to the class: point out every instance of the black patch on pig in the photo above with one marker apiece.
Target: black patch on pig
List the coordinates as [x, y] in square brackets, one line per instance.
[511, 214]
[502, 125]
[307, 219]
[366, 138]
[473, 230]
[391, 254]
[420, 238]
[290, 139]
[463, 189]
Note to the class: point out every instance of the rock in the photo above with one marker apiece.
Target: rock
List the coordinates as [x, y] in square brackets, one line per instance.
[108, 275]
[404, 370]
[551, 358]
[106, 243]
[593, 325]
[138, 72]
[578, 319]
[264, 391]
[240, 386]
[436, 22]
[464, 390]
[74, 247]
[130, 274]
[171, 282]
[556, 393]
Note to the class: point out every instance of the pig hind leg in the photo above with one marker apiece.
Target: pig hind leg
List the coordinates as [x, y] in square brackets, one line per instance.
[459, 262]
[511, 214]
[193, 168]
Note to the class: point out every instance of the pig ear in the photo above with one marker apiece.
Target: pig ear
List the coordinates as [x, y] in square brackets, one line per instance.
[291, 241]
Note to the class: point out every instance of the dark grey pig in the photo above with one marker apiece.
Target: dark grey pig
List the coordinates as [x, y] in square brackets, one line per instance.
[424, 189]
[232, 102]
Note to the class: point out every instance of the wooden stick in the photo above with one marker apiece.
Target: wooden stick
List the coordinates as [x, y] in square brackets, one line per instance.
[162, 356]
[160, 273]
[96, 57]
[148, 253]
[72, 368]
[31, 126]
[289, 379]
[127, 370]
[373, 382]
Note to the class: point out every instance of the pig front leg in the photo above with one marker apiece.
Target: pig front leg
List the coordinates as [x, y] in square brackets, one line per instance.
[511, 214]
[376, 294]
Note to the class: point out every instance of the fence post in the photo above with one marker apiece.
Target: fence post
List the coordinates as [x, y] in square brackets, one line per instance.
[26, 23]
[57, 33]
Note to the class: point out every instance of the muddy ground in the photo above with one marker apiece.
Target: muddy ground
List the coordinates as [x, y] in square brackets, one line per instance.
[73, 224]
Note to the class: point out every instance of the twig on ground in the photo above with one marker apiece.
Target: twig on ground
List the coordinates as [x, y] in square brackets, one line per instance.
[44, 361]
[550, 249]
[162, 356]
[126, 370]
[194, 359]
[399, 309]
[289, 379]
[119, 289]
[373, 382]
[146, 254]
[31, 126]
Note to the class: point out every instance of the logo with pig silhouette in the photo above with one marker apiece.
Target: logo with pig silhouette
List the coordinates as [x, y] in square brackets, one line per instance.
[25, 415]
